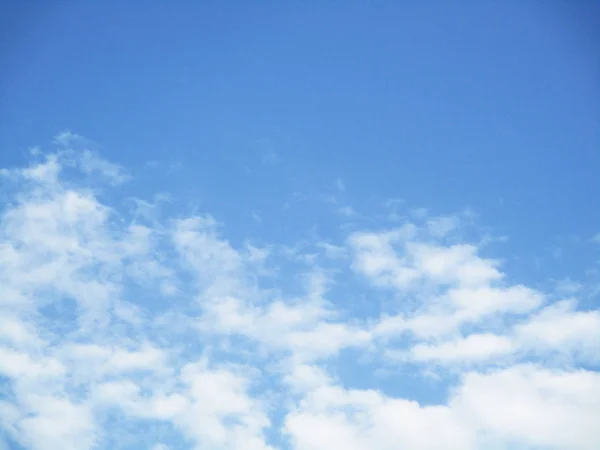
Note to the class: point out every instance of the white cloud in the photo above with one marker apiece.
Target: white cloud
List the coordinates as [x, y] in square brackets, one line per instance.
[77, 150]
[105, 359]
[169, 322]
[334, 418]
[57, 423]
[92, 164]
[15, 364]
[15, 331]
[519, 407]
[65, 138]
[454, 285]
[376, 258]
[442, 226]
[397, 259]
[473, 348]
[474, 304]
[307, 329]
[560, 328]
[535, 407]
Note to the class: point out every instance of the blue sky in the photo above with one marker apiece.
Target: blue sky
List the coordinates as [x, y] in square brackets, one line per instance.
[388, 210]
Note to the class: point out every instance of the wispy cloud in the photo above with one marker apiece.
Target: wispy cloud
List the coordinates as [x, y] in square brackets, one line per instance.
[347, 211]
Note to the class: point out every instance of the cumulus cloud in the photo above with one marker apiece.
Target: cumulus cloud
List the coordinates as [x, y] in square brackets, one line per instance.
[118, 327]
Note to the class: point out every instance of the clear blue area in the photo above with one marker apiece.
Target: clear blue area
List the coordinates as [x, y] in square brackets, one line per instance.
[492, 106]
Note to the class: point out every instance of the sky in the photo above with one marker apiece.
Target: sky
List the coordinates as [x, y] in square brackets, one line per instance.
[299, 225]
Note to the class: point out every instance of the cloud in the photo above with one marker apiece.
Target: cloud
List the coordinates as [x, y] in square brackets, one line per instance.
[441, 226]
[332, 251]
[561, 328]
[347, 211]
[115, 323]
[78, 150]
[471, 348]
[538, 408]
[509, 408]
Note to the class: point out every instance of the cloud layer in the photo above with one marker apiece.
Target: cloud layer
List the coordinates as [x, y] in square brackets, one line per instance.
[128, 330]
